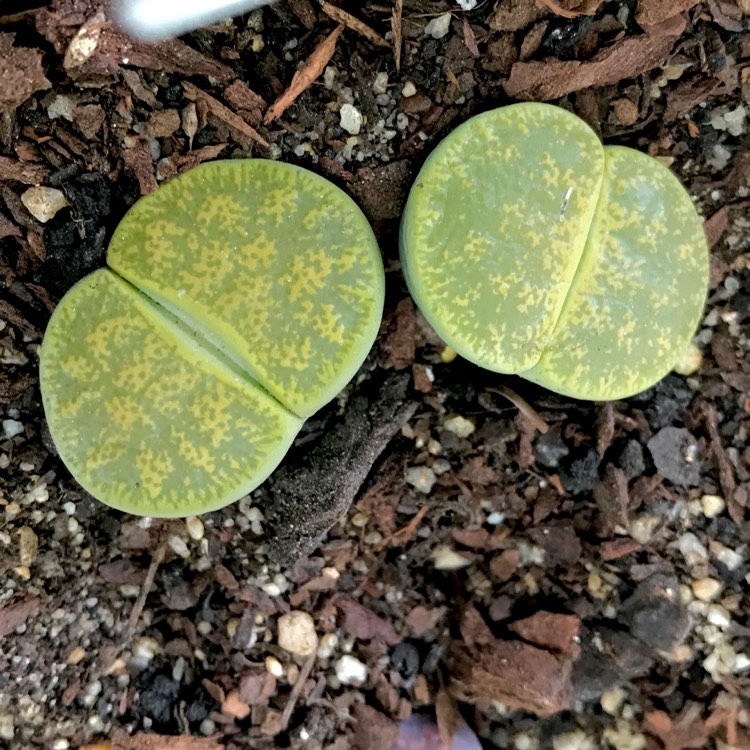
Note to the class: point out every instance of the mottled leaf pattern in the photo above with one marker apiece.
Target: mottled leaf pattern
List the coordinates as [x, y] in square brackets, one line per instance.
[534, 250]
[242, 297]
[145, 418]
[272, 263]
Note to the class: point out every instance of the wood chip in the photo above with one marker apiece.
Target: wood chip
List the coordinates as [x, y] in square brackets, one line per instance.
[543, 80]
[514, 673]
[397, 31]
[550, 630]
[102, 48]
[715, 226]
[138, 160]
[21, 73]
[243, 100]
[305, 77]
[470, 38]
[353, 23]
[447, 715]
[364, 624]
[147, 741]
[13, 170]
[16, 613]
[651, 12]
[400, 342]
[240, 129]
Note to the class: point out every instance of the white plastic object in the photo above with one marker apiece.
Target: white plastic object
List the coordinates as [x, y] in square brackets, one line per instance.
[147, 19]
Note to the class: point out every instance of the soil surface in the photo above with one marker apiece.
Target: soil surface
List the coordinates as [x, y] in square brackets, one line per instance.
[558, 573]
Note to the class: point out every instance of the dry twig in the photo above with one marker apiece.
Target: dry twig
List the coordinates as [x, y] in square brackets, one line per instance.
[148, 582]
[557, 10]
[334, 12]
[396, 27]
[523, 406]
[304, 673]
[304, 78]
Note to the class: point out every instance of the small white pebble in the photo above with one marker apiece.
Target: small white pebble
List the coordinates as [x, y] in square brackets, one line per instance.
[495, 518]
[194, 528]
[208, 727]
[351, 671]
[380, 84]
[726, 556]
[421, 478]
[329, 77]
[43, 202]
[69, 508]
[60, 744]
[145, 649]
[712, 505]
[203, 627]
[467, 4]
[271, 588]
[459, 426]
[408, 90]
[692, 549]
[438, 27]
[446, 558]
[706, 589]
[178, 545]
[575, 740]
[718, 616]
[327, 646]
[297, 633]
[273, 666]
[351, 119]
[611, 700]
[642, 528]
[11, 428]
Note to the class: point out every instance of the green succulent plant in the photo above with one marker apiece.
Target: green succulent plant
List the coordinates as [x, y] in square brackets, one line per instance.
[238, 299]
[533, 249]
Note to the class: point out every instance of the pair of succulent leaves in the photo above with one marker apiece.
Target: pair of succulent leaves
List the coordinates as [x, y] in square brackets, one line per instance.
[243, 296]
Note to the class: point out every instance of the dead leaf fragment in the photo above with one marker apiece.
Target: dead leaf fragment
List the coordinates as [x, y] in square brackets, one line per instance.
[305, 77]
[542, 80]
[21, 73]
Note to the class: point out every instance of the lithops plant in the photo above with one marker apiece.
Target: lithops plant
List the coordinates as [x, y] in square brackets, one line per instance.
[238, 299]
[533, 249]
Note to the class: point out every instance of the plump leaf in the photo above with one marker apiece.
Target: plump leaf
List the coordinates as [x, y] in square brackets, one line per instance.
[144, 416]
[534, 250]
[241, 298]
[272, 263]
